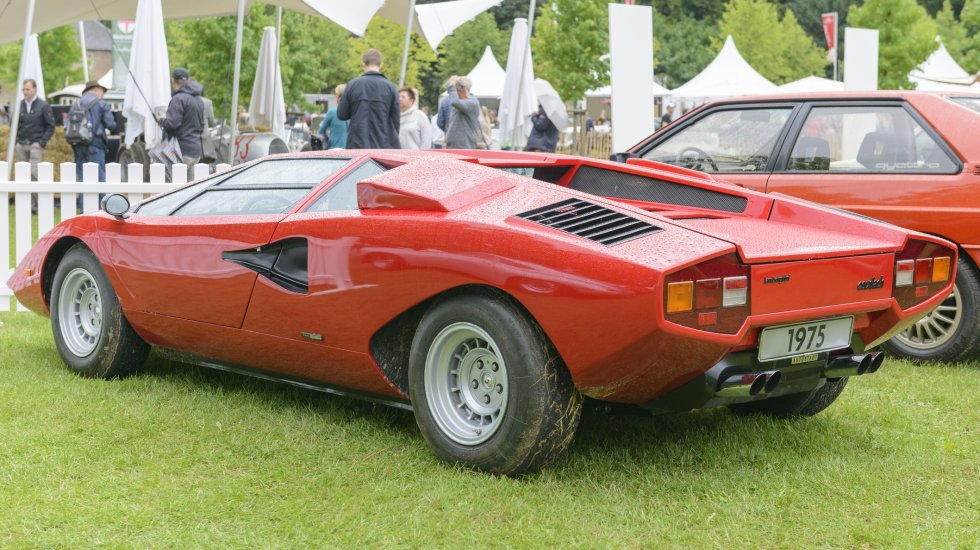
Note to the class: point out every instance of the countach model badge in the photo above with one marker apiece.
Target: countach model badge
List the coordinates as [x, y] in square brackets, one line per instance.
[872, 283]
[779, 279]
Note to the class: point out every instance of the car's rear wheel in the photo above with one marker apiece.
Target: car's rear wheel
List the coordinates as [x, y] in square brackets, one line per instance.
[951, 332]
[488, 388]
[798, 404]
[90, 331]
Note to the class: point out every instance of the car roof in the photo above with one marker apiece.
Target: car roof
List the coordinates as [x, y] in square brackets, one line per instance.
[870, 94]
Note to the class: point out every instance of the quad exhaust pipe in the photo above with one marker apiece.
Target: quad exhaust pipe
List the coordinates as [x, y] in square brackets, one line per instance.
[854, 365]
[749, 384]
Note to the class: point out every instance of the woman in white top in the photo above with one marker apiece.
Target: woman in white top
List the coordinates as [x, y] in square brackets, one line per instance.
[414, 131]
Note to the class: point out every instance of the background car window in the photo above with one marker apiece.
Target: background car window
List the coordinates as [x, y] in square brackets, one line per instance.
[268, 187]
[343, 194]
[725, 141]
[877, 139]
[972, 103]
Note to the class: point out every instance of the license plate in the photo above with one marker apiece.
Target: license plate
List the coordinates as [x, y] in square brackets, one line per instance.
[805, 338]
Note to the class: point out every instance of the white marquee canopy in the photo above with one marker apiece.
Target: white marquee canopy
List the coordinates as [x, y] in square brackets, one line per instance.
[728, 75]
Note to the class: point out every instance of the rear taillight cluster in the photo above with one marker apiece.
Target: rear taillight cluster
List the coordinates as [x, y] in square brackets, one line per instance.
[922, 269]
[712, 295]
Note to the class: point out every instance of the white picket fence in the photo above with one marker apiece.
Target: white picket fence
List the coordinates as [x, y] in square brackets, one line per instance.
[45, 189]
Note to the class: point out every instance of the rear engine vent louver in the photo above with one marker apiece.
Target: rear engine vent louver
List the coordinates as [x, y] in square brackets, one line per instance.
[590, 221]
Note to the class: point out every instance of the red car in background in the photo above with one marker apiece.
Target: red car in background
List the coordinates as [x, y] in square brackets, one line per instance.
[909, 158]
[488, 292]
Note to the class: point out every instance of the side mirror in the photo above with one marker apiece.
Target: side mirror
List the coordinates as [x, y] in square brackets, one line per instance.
[621, 157]
[116, 205]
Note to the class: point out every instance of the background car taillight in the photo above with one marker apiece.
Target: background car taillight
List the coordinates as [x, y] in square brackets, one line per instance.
[712, 295]
[921, 270]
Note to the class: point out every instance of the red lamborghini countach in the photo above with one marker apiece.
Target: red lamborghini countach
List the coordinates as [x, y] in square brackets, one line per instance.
[489, 292]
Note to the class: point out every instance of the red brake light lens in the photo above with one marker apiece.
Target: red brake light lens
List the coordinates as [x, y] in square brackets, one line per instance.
[712, 295]
[922, 269]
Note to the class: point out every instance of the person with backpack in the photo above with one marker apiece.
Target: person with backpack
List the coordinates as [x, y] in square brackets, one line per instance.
[88, 120]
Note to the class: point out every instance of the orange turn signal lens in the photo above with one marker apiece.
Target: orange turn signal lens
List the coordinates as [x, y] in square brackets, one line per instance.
[940, 269]
[28, 272]
[680, 296]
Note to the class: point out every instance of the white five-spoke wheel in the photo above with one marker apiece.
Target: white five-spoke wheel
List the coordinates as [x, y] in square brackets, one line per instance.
[488, 388]
[92, 334]
[80, 312]
[466, 383]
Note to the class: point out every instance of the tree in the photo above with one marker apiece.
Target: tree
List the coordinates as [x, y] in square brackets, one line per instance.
[954, 35]
[777, 48]
[314, 54]
[462, 50]
[61, 57]
[570, 46]
[508, 10]
[906, 37]
[681, 47]
[970, 18]
[808, 14]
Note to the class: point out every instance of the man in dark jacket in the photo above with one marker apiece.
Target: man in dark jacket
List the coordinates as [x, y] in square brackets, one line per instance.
[100, 116]
[544, 134]
[370, 103]
[185, 116]
[35, 128]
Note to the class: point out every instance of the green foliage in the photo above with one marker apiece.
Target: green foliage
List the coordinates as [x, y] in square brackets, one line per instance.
[460, 52]
[570, 42]
[808, 14]
[954, 36]
[389, 39]
[906, 37]
[508, 10]
[314, 54]
[681, 47]
[969, 56]
[778, 48]
[61, 57]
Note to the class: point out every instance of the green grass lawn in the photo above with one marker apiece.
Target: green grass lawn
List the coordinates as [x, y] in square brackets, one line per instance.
[183, 456]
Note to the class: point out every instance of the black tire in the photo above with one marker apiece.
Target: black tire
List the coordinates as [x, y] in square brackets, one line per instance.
[100, 343]
[964, 343]
[798, 404]
[539, 411]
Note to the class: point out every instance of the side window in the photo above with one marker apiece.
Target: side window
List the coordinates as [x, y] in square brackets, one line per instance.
[882, 139]
[268, 187]
[343, 194]
[725, 141]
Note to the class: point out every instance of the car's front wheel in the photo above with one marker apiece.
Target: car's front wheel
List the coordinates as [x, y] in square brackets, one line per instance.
[951, 332]
[489, 389]
[90, 331]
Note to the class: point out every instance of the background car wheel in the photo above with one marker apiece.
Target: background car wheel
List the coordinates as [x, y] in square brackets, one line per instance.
[92, 335]
[489, 389]
[798, 404]
[951, 332]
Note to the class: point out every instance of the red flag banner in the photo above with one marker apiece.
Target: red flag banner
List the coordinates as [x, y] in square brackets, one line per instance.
[830, 33]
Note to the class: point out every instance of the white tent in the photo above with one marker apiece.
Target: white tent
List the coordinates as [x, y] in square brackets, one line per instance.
[941, 73]
[519, 100]
[728, 75]
[267, 106]
[488, 76]
[606, 91]
[811, 84]
[32, 68]
[148, 81]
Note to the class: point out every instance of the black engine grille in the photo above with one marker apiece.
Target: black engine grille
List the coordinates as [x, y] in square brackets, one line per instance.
[620, 185]
[590, 221]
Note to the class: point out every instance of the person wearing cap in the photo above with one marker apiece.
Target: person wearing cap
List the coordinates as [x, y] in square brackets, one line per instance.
[100, 116]
[185, 116]
[35, 128]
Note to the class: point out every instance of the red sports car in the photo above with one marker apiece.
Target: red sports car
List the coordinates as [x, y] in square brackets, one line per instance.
[905, 157]
[489, 292]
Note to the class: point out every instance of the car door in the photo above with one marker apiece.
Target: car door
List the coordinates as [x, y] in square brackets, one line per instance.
[735, 142]
[877, 158]
[173, 253]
